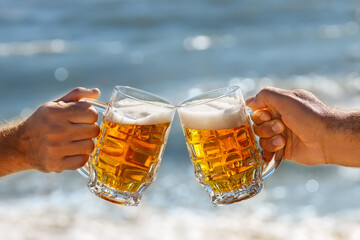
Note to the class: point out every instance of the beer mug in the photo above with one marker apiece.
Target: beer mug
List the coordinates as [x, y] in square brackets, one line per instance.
[131, 143]
[222, 146]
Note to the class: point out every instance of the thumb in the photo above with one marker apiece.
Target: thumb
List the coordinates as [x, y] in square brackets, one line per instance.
[78, 93]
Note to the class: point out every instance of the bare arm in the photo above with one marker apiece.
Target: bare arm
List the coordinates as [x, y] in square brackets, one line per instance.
[343, 145]
[54, 138]
[315, 133]
[13, 158]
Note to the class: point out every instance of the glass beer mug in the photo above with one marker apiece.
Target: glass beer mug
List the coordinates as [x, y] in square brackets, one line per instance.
[222, 146]
[131, 143]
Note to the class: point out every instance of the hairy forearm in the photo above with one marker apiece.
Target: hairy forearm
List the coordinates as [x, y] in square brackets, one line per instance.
[13, 158]
[344, 140]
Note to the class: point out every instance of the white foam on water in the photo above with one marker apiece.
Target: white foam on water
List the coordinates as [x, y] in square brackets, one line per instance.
[217, 114]
[128, 111]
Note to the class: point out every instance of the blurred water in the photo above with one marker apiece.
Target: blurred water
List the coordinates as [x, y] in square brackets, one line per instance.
[177, 49]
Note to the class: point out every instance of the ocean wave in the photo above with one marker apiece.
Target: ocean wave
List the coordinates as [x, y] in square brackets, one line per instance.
[58, 46]
[336, 89]
[55, 46]
[175, 224]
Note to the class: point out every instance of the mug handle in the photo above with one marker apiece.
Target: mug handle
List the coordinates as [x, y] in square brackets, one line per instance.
[100, 107]
[274, 163]
[270, 167]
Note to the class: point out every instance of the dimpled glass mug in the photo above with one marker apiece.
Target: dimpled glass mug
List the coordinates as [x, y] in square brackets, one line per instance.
[223, 147]
[130, 146]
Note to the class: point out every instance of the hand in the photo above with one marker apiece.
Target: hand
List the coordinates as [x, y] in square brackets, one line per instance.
[58, 136]
[294, 119]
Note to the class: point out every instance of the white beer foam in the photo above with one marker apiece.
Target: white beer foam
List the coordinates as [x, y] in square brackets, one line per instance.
[128, 111]
[218, 114]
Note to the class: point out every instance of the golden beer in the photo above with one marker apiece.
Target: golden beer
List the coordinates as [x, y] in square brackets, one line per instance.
[222, 145]
[224, 160]
[127, 156]
[130, 146]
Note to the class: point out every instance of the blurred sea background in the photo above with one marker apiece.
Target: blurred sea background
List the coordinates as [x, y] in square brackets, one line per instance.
[178, 49]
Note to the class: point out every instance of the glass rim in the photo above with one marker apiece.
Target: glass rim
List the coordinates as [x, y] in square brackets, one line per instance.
[120, 89]
[226, 91]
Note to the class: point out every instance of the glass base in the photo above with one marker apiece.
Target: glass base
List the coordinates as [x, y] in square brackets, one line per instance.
[113, 195]
[238, 195]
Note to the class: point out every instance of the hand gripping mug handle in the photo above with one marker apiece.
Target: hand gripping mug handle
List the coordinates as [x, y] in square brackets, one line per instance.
[101, 108]
[270, 167]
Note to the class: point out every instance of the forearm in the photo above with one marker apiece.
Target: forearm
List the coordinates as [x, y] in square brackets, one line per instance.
[13, 158]
[343, 147]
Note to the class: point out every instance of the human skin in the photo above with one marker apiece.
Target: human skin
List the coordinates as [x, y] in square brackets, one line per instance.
[312, 132]
[56, 137]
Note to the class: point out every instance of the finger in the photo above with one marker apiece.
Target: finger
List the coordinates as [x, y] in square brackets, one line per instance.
[267, 156]
[84, 131]
[81, 112]
[272, 144]
[74, 162]
[269, 129]
[260, 116]
[78, 93]
[267, 97]
[80, 147]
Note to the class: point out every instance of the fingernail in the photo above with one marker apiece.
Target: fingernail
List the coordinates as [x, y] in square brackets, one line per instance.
[278, 142]
[95, 89]
[277, 127]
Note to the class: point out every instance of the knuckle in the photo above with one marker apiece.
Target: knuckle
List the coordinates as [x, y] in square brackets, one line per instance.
[53, 162]
[263, 130]
[45, 106]
[52, 111]
[299, 92]
[96, 130]
[85, 109]
[42, 165]
[78, 90]
[44, 169]
[89, 146]
[71, 107]
[277, 126]
[93, 115]
[267, 155]
[54, 133]
[61, 104]
[86, 105]
[267, 90]
[260, 116]
[264, 143]
[75, 108]
[82, 105]
[266, 130]
[304, 95]
[52, 166]
[47, 109]
[92, 145]
[272, 91]
[80, 161]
